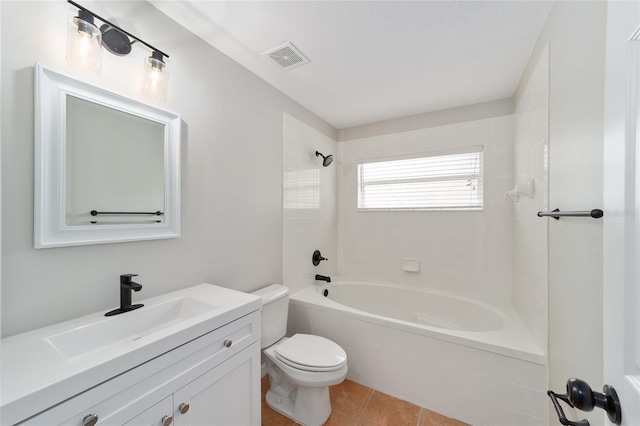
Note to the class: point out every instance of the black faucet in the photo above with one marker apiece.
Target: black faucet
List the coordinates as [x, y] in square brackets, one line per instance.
[323, 278]
[126, 285]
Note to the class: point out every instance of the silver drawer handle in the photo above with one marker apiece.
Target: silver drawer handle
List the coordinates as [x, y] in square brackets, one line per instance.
[228, 343]
[166, 420]
[184, 408]
[90, 420]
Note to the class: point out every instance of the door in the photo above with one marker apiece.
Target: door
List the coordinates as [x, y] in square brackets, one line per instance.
[622, 207]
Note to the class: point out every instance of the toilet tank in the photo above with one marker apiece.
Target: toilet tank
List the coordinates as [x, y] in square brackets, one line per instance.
[275, 309]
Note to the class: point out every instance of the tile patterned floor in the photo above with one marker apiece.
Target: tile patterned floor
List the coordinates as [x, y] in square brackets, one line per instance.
[357, 405]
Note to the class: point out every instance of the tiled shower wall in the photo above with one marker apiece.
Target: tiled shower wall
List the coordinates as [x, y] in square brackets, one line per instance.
[309, 204]
[530, 285]
[467, 252]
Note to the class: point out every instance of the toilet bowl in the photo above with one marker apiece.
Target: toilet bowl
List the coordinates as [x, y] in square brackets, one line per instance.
[301, 367]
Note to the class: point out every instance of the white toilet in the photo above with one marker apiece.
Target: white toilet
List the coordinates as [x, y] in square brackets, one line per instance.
[302, 367]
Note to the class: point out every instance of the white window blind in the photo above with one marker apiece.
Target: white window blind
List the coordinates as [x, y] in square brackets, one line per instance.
[433, 181]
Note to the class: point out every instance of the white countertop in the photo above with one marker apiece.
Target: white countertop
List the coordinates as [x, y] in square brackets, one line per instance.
[35, 376]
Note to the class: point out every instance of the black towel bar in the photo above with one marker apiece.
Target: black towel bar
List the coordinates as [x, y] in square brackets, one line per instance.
[557, 214]
[96, 213]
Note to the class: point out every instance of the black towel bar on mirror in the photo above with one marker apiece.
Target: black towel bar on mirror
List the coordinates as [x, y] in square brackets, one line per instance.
[96, 213]
[557, 214]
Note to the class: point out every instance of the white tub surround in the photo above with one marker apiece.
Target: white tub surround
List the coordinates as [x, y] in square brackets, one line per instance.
[491, 377]
[531, 233]
[466, 252]
[309, 220]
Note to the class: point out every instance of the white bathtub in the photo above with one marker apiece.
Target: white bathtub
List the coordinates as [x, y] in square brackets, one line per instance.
[420, 307]
[471, 359]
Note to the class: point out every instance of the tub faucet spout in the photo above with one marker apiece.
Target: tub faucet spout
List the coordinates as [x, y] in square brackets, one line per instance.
[323, 278]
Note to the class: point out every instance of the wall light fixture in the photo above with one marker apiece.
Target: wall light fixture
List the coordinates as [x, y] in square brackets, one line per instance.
[84, 42]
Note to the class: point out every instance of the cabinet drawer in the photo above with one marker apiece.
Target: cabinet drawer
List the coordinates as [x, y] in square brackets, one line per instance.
[157, 415]
[123, 397]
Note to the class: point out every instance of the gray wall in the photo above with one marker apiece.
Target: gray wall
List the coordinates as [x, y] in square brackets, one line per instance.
[231, 169]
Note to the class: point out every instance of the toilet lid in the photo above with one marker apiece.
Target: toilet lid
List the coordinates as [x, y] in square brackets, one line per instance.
[312, 353]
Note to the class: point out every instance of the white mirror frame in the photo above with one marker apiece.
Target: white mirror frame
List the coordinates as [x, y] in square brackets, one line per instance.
[50, 228]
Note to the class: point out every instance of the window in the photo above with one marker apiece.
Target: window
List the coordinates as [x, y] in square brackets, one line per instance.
[450, 180]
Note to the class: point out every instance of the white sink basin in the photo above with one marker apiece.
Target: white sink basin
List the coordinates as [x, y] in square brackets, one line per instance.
[128, 326]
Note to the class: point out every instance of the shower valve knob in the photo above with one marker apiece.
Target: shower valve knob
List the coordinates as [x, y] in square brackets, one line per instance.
[317, 258]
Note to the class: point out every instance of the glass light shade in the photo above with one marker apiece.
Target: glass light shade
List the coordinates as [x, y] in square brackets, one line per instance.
[84, 45]
[156, 79]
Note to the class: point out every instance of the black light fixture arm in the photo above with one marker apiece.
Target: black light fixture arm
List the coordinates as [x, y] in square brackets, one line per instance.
[154, 49]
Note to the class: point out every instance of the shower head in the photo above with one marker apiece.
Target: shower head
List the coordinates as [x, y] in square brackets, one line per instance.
[325, 160]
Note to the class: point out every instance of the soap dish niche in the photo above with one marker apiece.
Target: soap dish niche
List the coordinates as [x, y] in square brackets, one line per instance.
[526, 189]
[410, 264]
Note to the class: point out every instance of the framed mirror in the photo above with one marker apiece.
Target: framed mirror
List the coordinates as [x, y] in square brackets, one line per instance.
[107, 168]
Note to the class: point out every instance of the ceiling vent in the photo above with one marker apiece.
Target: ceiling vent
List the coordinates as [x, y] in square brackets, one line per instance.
[287, 56]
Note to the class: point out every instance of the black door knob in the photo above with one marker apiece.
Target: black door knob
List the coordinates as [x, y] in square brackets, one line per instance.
[581, 396]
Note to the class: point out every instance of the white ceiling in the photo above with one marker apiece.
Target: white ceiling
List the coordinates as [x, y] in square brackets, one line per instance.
[375, 60]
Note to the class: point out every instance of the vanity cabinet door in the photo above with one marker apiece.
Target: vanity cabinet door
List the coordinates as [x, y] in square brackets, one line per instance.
[160, 414]
[226, 395]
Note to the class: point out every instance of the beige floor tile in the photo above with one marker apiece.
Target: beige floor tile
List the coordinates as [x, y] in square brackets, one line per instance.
[431, 418]
[354, 404]
[264, 386]
[350, 398]
[385, 410]
[338, 419]
[273, 418]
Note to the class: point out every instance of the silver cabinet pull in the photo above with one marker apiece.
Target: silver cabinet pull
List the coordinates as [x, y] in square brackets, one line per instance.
[228, 343]
[184, 408]
[90, 420]
[167, 420]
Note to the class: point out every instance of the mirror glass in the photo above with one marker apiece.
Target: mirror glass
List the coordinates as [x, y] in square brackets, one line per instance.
[107, 167]
[115, 166]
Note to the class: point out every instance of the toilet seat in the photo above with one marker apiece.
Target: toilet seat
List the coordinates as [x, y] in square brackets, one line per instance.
[311, 353]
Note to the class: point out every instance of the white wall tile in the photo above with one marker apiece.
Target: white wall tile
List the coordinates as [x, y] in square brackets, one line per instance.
[497, 415]
[466, 382]
[530, 375]
[497, 366]
[466, 357]
[468, 409]
[521, 419]
[451, 255]
[530, 256]
[315, 226]
[529, 401]
[438, 395]
[440, 373]
[497, 391]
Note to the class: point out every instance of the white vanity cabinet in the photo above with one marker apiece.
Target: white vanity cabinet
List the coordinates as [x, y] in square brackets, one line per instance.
[208, 376]
[225, 395]
[219, 381]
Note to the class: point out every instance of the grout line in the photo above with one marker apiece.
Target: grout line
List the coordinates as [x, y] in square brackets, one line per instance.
[366, 405]
[419, 416]
[333, 410]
